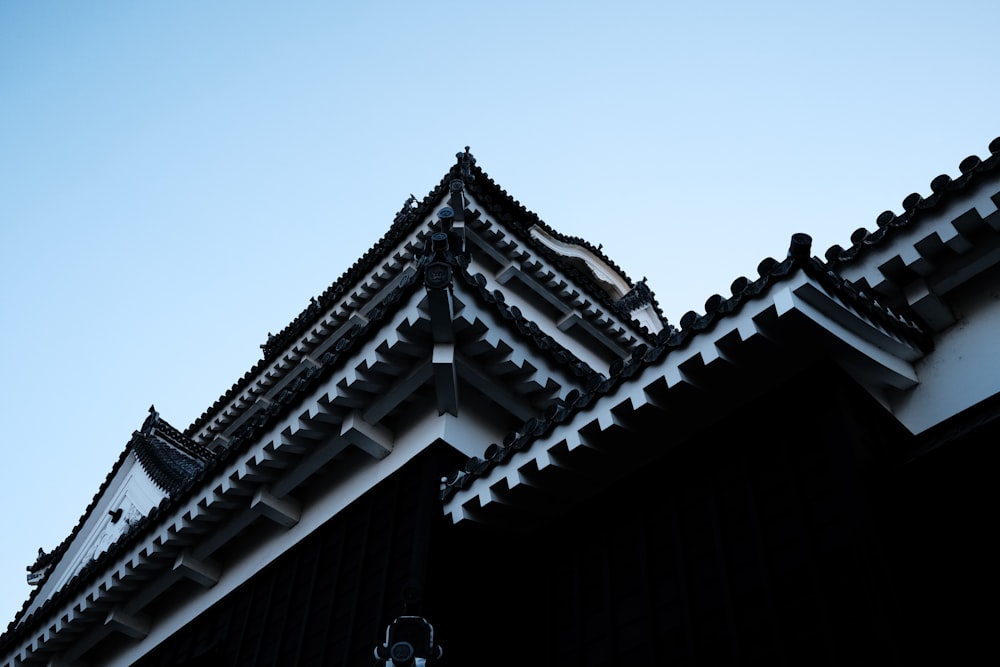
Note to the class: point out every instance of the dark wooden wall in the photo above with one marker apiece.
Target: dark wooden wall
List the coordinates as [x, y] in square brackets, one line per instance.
[328, 600]
[755, 545]
[790, 535]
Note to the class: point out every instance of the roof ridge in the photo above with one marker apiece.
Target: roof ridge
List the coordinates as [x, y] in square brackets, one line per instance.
[643, 356]
[744, 290]
[915, 207]
[492, 195]
[404, 221]
[493, 190]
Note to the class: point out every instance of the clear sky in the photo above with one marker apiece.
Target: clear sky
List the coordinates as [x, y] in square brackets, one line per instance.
[178, 179]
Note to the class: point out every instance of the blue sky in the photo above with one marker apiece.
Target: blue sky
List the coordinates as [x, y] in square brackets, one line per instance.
[177, 179]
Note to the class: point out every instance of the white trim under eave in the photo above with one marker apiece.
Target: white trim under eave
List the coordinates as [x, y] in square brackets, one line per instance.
[963, 370]
[880, 362]
[789, 302]
[892, 354]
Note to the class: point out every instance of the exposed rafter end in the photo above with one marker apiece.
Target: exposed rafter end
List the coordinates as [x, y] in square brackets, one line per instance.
[283, 511]
[306, 435]
[175, 535]
[676, 376]
[391, 399]
[228, 487]
[134, 626]
[497, 391]
[374, 440]
[470, 510]
[248, 472]
[202, 572]
[219, 443]
[589, 438]
[458, 515]
[929, 305]
[575, 320]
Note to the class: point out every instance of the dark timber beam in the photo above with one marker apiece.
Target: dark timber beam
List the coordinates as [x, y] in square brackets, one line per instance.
[445, 378]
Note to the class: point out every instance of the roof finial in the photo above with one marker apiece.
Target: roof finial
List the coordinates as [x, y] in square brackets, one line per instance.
[151, 420]
[800, 246]
[466, 160]
[407, 211]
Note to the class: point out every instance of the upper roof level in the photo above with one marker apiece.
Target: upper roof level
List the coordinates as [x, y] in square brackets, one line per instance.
[531, 314]
[602, 313]
[908, 310]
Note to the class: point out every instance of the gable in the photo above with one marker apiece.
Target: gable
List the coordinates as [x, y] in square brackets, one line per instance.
[157, 464]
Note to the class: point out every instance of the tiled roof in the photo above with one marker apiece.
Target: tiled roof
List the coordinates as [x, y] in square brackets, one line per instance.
[501, 205]
[43, 560]
[169, 457]
[717, 308]
[519, 219]
[557, 353]
[943, 188]
[667, 340]
[178, 466]
[770, 271]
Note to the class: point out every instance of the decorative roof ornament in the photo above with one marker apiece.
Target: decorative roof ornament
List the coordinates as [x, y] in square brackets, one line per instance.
[446, 216]
[466, 160]
[437, 262]
[636, 298]
[437, 275]
[406, 212]
[170, 458]
[271, 340]
[149, 426]
[41, 567]
[614, 284]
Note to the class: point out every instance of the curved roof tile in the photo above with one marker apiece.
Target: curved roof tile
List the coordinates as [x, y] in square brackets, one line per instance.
[507, 209]
[915, 206]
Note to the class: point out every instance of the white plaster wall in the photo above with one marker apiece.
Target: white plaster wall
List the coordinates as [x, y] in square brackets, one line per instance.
[135, 493]
[964, 368]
